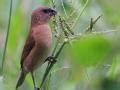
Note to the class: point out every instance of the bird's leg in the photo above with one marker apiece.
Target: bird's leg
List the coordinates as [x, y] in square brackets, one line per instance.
[34, 81]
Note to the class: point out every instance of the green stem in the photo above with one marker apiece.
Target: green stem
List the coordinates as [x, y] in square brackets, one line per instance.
[8, 30]
[51, 64]
[80, 14]
[64, 8]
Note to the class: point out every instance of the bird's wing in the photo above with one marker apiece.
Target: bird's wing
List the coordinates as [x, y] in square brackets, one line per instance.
[30, 43]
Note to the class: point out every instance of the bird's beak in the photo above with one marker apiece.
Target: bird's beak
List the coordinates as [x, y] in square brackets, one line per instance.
[53, 12]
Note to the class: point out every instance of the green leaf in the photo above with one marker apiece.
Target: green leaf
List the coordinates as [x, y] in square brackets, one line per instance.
[90, 50]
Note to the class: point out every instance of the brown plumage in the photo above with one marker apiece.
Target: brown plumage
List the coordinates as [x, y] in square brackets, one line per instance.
[38, 43]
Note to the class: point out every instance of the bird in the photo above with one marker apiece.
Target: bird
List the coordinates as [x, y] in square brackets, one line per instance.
[38, 43]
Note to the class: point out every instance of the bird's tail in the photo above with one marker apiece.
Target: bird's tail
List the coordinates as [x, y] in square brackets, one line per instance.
[21, 79]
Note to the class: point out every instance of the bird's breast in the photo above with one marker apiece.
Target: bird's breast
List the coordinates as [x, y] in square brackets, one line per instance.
[43, 36]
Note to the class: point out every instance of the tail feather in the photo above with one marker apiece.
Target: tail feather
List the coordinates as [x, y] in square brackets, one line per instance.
[21, 79]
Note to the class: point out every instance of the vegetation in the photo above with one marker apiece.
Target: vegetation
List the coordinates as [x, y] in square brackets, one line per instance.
[88, 61]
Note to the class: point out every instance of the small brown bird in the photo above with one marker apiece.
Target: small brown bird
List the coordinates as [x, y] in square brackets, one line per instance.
[38, 43]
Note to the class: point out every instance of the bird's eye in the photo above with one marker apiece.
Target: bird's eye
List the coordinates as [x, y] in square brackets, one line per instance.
[46, 11]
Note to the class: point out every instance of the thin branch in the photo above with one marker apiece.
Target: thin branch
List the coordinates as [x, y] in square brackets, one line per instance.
[57, 43]
[92, 23]
[51, 64]
[80, 14]
[55, 48]
[46, 73]
[72, 13]
[58, 53]
[104, 32]
[64, 8]
[8, 30]
[97, 19]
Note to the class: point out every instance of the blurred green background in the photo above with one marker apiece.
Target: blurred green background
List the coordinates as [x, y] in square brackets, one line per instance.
[91, 62]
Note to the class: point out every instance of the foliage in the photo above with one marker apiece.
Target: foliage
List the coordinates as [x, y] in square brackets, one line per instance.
[90, 62]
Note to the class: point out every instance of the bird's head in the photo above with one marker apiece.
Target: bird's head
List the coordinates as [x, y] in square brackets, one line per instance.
[42, 15]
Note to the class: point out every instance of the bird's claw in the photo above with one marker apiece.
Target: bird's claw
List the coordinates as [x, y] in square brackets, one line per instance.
[51, 59]
[36, 88]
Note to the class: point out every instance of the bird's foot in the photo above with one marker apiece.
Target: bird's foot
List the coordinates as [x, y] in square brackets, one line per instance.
[36, 88]
[51, 59]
